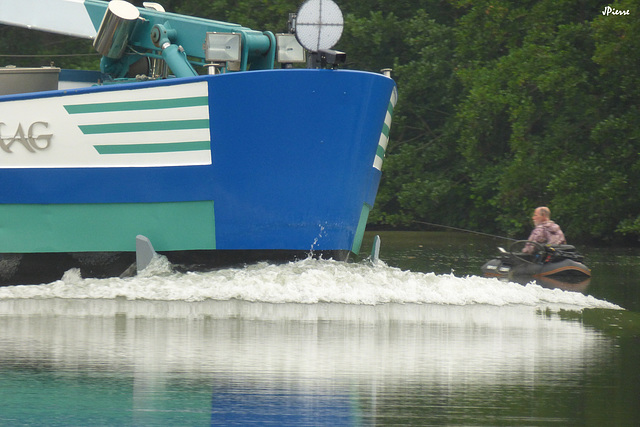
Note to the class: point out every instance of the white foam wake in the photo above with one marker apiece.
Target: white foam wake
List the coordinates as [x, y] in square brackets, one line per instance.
[308, 281]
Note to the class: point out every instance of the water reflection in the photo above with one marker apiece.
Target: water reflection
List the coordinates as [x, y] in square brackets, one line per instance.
[323, 343]
[237, 362]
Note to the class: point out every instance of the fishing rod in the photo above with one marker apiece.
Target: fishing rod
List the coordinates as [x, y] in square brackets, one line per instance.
[465, 230]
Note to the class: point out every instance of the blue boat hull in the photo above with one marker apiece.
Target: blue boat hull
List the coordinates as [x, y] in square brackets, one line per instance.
[276, 163]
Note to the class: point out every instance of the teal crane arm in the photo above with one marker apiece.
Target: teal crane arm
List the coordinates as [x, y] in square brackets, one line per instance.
[179, 40]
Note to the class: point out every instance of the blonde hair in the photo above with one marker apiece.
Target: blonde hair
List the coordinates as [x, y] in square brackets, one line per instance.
[544, 211]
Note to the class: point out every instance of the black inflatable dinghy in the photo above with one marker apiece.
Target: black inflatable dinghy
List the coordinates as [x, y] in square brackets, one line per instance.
[560, 262]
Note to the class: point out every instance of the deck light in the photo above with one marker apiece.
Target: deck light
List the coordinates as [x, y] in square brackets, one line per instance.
[289, 50]
[223, 49]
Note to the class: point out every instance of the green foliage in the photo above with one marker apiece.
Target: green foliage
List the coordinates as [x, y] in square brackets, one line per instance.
[422, 176]
[504, 105]
[269, 15]
[540, 121]
[26, 48]
[370, 40]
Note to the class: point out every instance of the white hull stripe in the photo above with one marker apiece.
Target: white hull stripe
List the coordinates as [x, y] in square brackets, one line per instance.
[152, 126]
[148, 147]
[145, 126]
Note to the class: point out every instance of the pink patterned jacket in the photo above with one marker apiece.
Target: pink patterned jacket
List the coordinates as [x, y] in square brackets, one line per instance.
[548, 233]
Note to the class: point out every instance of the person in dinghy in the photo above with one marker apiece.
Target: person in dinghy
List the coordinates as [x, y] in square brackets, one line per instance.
[545, 254]
[545, 232]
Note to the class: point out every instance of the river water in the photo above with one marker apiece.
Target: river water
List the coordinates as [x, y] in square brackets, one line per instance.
[417, 339]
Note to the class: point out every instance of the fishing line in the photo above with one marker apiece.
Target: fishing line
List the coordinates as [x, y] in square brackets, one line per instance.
[465, 230]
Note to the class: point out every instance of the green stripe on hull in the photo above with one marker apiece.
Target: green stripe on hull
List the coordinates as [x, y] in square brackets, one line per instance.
[385, 130]
[166, 147]
[144, 126]
[106, 227]
[155, 104]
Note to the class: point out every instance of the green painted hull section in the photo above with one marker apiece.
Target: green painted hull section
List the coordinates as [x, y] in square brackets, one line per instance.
[362, 225]
[106, 227]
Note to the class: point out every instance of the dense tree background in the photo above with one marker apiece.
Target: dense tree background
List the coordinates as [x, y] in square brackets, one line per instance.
[504, 105]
